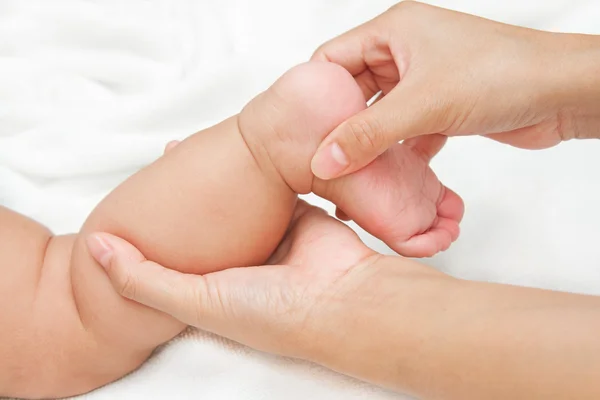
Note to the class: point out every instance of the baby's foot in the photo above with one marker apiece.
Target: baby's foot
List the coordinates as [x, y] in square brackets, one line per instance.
[397, 198]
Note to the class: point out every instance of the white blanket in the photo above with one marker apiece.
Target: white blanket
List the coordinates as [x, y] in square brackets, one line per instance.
[91, 90]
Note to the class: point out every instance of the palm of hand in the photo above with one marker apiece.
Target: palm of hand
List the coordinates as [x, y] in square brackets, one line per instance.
[315, 254]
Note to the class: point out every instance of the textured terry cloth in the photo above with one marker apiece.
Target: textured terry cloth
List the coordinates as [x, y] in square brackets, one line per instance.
[90, 91]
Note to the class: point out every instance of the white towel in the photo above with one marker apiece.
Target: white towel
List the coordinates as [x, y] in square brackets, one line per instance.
[92, 90]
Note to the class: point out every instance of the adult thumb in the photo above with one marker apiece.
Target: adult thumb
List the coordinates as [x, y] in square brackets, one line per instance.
[183, 296]
[362, 138]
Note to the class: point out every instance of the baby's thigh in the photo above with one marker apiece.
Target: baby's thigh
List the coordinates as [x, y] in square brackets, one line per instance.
[33, 305]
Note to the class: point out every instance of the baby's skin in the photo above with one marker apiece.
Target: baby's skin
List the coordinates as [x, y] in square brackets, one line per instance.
[222, 198]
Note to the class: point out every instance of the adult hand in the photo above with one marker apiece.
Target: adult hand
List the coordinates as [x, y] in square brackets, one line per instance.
[273, 307]
[293, 306]
[446, 72]
[327, 298]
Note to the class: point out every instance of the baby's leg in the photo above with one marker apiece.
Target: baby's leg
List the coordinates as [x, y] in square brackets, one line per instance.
[222, 198]
[215, 201]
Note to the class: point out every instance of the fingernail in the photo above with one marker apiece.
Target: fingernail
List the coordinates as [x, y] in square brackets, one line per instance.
[100, 249]
[329, 162]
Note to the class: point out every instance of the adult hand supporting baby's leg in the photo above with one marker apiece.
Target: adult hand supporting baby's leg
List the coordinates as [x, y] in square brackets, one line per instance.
[315, 253]
[328, 296]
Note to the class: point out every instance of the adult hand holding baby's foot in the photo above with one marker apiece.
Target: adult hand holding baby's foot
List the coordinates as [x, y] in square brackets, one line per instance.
[397, 54]
[438, 72]
[399, 199]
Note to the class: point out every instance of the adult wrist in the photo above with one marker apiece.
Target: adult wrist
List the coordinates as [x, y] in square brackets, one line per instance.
[379, 318]
[412, 329]
[571, 69]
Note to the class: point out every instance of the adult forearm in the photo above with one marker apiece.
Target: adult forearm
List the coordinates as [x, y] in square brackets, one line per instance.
[516, 342]
[462, 340]
[571, 78]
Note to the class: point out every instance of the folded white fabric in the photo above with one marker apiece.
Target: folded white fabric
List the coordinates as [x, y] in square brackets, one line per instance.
[90, 91]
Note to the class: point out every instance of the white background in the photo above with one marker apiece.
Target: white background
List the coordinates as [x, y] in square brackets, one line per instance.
[90, 91]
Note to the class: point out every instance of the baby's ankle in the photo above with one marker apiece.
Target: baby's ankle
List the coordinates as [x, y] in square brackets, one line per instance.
[284, 125]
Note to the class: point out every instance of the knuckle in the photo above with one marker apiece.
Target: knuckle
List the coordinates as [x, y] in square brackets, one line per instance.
[217, 299]
[128, 287]
[194, 306]
[405, 6]
[365, 134]
[201, 297]
[321, 52]
[408, 12]
[199, 303]
[440, 114]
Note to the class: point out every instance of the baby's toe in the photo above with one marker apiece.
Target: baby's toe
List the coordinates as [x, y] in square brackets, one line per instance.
[171, 145]
[451, 206]
[443, 232]
[438, 238]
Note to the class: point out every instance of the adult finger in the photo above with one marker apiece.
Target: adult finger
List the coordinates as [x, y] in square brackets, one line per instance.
[427, 146]
[401, 114]
[350, 51]
[186, 297]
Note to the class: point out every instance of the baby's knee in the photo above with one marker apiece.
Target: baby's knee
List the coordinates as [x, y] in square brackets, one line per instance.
[291, 118]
